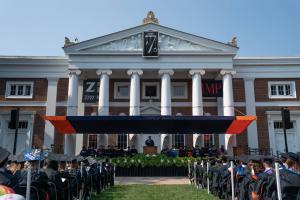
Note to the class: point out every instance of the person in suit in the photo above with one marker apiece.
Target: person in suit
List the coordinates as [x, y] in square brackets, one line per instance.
[149, 142]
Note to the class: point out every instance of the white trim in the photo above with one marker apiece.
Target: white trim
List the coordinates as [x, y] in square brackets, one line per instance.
[116, 85]
[277, 112]
[17, 83]
[276, 116]
[184, 84]
[277, 103]
[292, 88]
[144, 84]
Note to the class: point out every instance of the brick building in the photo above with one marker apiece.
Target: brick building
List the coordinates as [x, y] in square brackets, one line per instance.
[149, 70]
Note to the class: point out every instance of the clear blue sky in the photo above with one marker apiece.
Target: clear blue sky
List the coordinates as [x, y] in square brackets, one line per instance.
[38, 27]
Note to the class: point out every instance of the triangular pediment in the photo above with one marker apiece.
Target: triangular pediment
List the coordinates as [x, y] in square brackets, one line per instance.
[131, 40]
[150, 110]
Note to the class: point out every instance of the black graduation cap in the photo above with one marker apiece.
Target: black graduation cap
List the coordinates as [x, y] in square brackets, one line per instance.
[268, 160]
[243, 158]
[79, 158]
[284, 155]
[230, 158]
[255, 158]
[57, 157]
[292, 156]
[3, 154]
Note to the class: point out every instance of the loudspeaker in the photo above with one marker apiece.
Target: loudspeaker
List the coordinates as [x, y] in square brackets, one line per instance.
[14, 119]
[285, 113]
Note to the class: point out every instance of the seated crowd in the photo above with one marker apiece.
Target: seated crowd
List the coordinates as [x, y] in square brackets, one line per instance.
[116, 151]
[254, 177]
[55, 177]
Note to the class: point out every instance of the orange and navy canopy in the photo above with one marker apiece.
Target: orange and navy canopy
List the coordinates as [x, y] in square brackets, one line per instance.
[151, 124]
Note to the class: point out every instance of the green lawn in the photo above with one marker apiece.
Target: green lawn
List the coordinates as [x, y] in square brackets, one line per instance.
[153, 192]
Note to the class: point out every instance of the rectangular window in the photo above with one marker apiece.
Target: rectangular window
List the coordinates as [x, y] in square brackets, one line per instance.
[122, 141]
[179, 90]
[22, 125]
[92, 140]
[278, 125]
[150, 90]
[179, 140]
[19, 89]
[121, 90]
[282, 89]
[208, 140]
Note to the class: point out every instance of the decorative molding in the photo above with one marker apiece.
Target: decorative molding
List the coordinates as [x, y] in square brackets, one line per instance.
[103, 71]
[134, 43]
[166, 71]
[225, 71]
[135, 71]
[74, 72]
[197, 71]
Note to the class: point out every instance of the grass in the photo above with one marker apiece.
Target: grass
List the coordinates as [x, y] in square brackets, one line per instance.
[153, 192]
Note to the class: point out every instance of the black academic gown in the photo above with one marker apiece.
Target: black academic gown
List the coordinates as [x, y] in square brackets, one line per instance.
[6, 178]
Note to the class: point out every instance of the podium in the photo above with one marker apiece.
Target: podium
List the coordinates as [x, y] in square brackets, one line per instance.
[150, 150]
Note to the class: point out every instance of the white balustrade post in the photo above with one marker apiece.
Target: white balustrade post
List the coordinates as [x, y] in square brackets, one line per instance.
[278, 185]
[232, 180]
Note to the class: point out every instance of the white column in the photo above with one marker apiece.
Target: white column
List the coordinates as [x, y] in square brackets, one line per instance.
[70, 140]
[103, 106]
[134, 104]
[80, 112]
[166, 91]
[220, 113]
[50, 111]
[197, 98]
[166, 108]
[228, 105]
[251, 110]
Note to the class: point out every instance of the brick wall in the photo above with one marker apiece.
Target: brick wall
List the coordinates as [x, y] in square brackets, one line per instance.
[39, 89]
[238, 90]
[262, 91]
[59, 138]
[62, 91]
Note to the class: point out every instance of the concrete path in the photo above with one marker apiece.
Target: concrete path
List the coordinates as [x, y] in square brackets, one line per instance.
[151, 180]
